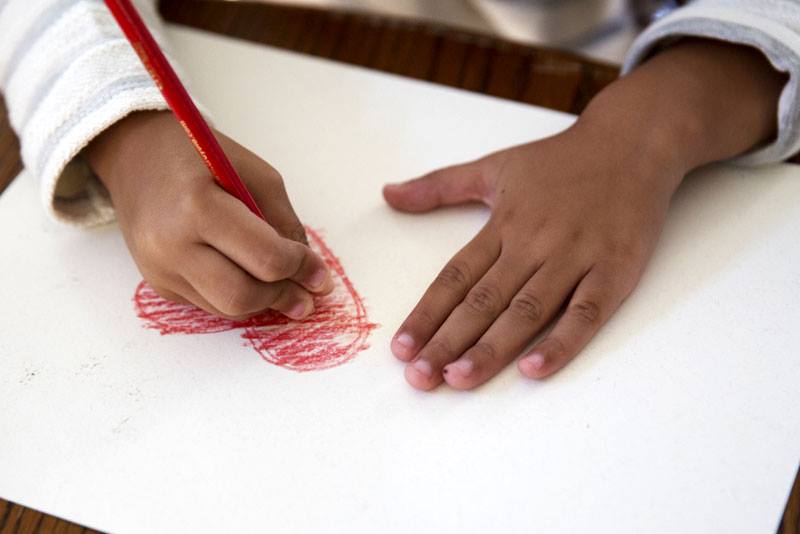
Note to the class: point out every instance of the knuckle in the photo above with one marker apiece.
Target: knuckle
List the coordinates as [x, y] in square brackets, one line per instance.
[527, 306]
[278, 265]
[193, 206]
[297, 233]
[419, 321]
[270, 179]
[282, 298]
[192, 211]
[484, 299]
[586, 311]
[438, 346]
[274, 177]
[455, 275]
[239, 301]
[484, 351]
[619, 281]
[625, 249]
[555, 347]
[152, 244]
[576, 235]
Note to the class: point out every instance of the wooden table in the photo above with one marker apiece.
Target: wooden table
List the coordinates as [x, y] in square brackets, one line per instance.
[534, 75]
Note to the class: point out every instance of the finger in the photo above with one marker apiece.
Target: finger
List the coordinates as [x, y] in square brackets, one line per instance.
[168, 294]
[452, 185]
[235, 294]
[187, 295]
[182, 292]
[595, 299]
[445, 293]
[529, 311]
[280, 214]
[272, 198]
[469, 320]
[176, 289]
[266, 185]
[258, 249]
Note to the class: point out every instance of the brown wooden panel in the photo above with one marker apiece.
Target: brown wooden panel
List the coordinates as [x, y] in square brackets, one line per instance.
[400, 53]
[29, 520]
[358, 40]
[449, 62]
[475, 71]
[10, 163]
[384, 55]
[314, 23]
[790, 524]
[17, 519]
[508, 72]
[329, 36]
[5, 512]
[421, 56]
[11, 520]
[418, 50]
[552, 83]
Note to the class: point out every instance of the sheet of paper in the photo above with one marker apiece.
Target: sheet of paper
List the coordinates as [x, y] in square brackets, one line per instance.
[682, 416]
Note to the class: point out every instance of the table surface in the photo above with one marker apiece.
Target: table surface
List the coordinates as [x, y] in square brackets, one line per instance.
[534, 75]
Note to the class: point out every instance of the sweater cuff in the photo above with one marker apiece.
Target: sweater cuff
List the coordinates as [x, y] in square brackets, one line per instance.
[68, 74]
[70, 190]
[778, 43]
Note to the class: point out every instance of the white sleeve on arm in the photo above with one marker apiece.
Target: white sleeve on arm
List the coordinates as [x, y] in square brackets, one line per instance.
[67, 73]
[772, 26]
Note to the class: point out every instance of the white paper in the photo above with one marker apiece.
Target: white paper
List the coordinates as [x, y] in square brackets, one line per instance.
[683, 415]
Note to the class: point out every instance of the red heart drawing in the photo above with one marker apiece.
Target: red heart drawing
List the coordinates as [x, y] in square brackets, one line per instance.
[333, 335]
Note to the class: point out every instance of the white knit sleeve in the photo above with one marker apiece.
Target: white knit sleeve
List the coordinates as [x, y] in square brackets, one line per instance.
[772, 26]
[67, 73]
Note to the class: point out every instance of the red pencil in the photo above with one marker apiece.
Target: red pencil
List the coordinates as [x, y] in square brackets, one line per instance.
[180, 102]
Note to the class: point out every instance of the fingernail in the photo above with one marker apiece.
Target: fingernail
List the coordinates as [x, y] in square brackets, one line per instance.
[319, 279]
[404, 345]
[461, 367]
[405, 341]
[423, 367]
[535, 361]
[298, 311]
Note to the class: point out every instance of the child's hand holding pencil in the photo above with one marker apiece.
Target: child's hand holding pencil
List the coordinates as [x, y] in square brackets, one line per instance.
[193, 241]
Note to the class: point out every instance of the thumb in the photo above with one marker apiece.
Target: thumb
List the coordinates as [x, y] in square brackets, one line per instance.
[271, 196]
[267, 187]
[457, 184]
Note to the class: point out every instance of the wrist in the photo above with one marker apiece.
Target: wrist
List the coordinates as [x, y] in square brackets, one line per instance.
[693, 103]
[661, 132]
[118, 149]
[654, 153]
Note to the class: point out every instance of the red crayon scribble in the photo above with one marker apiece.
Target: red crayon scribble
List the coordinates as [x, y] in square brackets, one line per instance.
[333, 335]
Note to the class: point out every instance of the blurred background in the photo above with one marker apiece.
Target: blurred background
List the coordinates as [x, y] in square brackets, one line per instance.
[602, 29]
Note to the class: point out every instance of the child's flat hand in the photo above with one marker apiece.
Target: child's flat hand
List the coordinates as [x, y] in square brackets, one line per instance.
[576, 217]
[192, 241]
[574, 220]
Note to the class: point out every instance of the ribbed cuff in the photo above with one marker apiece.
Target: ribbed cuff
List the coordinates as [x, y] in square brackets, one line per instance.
[70, 190]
